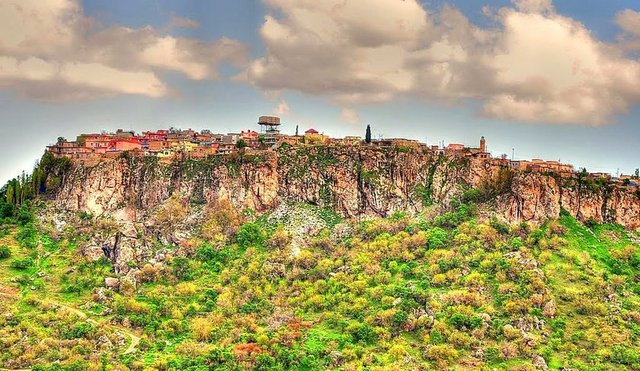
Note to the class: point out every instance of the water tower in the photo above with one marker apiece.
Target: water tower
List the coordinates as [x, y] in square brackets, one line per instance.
[269, 125]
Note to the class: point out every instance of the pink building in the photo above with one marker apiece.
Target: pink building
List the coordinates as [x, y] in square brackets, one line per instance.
[99, 143]
[125, 144]
[455, 147]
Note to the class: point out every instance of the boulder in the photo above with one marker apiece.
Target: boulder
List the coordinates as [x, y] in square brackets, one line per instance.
[539, 363]
[112, 283]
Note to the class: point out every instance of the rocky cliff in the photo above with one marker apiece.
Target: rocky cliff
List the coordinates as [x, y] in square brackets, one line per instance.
[355, 182]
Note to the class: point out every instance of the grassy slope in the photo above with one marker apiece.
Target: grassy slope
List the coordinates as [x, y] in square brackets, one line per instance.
[399, 293]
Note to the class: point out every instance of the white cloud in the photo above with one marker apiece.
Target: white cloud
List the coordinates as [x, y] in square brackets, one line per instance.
[629, 22]
[50, 50]
[282, 108]
[534, 6]
[349, 116]
[181, 22]
[537, 66]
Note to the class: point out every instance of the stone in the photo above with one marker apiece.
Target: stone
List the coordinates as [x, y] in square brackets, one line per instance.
[104, 342]
[550, 309]
[539, 363]
[112, 283]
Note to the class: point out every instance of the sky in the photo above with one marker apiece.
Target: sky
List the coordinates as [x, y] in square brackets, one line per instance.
[558, 80]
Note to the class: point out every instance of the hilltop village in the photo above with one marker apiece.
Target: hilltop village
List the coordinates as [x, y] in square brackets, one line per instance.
[176, 143]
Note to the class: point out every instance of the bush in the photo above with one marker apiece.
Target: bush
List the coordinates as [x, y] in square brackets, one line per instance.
[81, 330]
[363, 333]
[460, 321]
[22, 264]
[206, 253]
[182, 268]
[250, 234]
[5, 252]
[24, 215]
[28, 237]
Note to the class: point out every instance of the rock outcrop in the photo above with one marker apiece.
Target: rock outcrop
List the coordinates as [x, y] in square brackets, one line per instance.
[356, 182]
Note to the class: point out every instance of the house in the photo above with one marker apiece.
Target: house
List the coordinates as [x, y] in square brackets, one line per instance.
[312, 136]
[155, 145]
[250, 137]
[351, 140]
[99, 143]
[124, 134]
[125, 144]
[160, 135]
[455, 147]
[437, 150]
[68, 149]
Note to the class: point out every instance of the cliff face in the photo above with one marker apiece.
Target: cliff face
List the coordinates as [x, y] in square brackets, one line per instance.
[355, 182]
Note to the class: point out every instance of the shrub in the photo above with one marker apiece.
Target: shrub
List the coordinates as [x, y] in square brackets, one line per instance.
[206, 253]
[442, 353]
[624, 356]
[5, 252]
[182, 268]
[22, 264]
[362, 333]
[81, 330]
[460, 321]
[250, 234]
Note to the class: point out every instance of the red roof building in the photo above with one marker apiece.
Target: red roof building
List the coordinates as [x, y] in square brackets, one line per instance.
[125, 144]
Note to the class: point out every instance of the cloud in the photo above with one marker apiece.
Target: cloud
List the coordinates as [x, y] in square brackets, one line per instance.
[282, 108]
[629, 22]
[49, 50]
[180, 22]
[349, 116]
[534, 6]
[536, 66]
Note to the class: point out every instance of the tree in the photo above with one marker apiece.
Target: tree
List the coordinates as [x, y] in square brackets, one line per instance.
[241, 144]
[296, 130]
[637, 173]
[367, 137]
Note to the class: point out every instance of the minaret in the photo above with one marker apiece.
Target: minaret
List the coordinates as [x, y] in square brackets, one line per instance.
[483, 145]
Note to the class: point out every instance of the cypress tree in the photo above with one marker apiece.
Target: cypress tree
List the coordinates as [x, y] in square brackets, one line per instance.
[367, 137]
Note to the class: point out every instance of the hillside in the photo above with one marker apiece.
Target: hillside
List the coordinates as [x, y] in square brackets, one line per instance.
[317, 258]
[249, 292]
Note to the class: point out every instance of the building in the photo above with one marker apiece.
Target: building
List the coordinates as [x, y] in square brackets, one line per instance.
[313, 137]
[455, 147]
[125, 144]
[68, 149]
[251, 138]
[352, 140]
[98, 143]
[160, 135]
[124, 134]
[270, 127]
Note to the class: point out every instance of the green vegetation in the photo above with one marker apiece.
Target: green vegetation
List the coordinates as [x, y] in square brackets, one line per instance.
[445, 292]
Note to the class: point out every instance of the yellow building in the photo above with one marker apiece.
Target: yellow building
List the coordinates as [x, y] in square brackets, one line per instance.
[312, 136]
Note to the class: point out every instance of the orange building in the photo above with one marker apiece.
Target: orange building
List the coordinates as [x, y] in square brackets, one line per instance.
[125, 144]
[99, 143]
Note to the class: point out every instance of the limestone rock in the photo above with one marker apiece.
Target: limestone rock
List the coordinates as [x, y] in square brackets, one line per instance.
[550, 309]
[112, 283]
[539, 363]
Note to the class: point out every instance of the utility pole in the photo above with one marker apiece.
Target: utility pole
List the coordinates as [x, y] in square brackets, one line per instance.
[513, 154]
